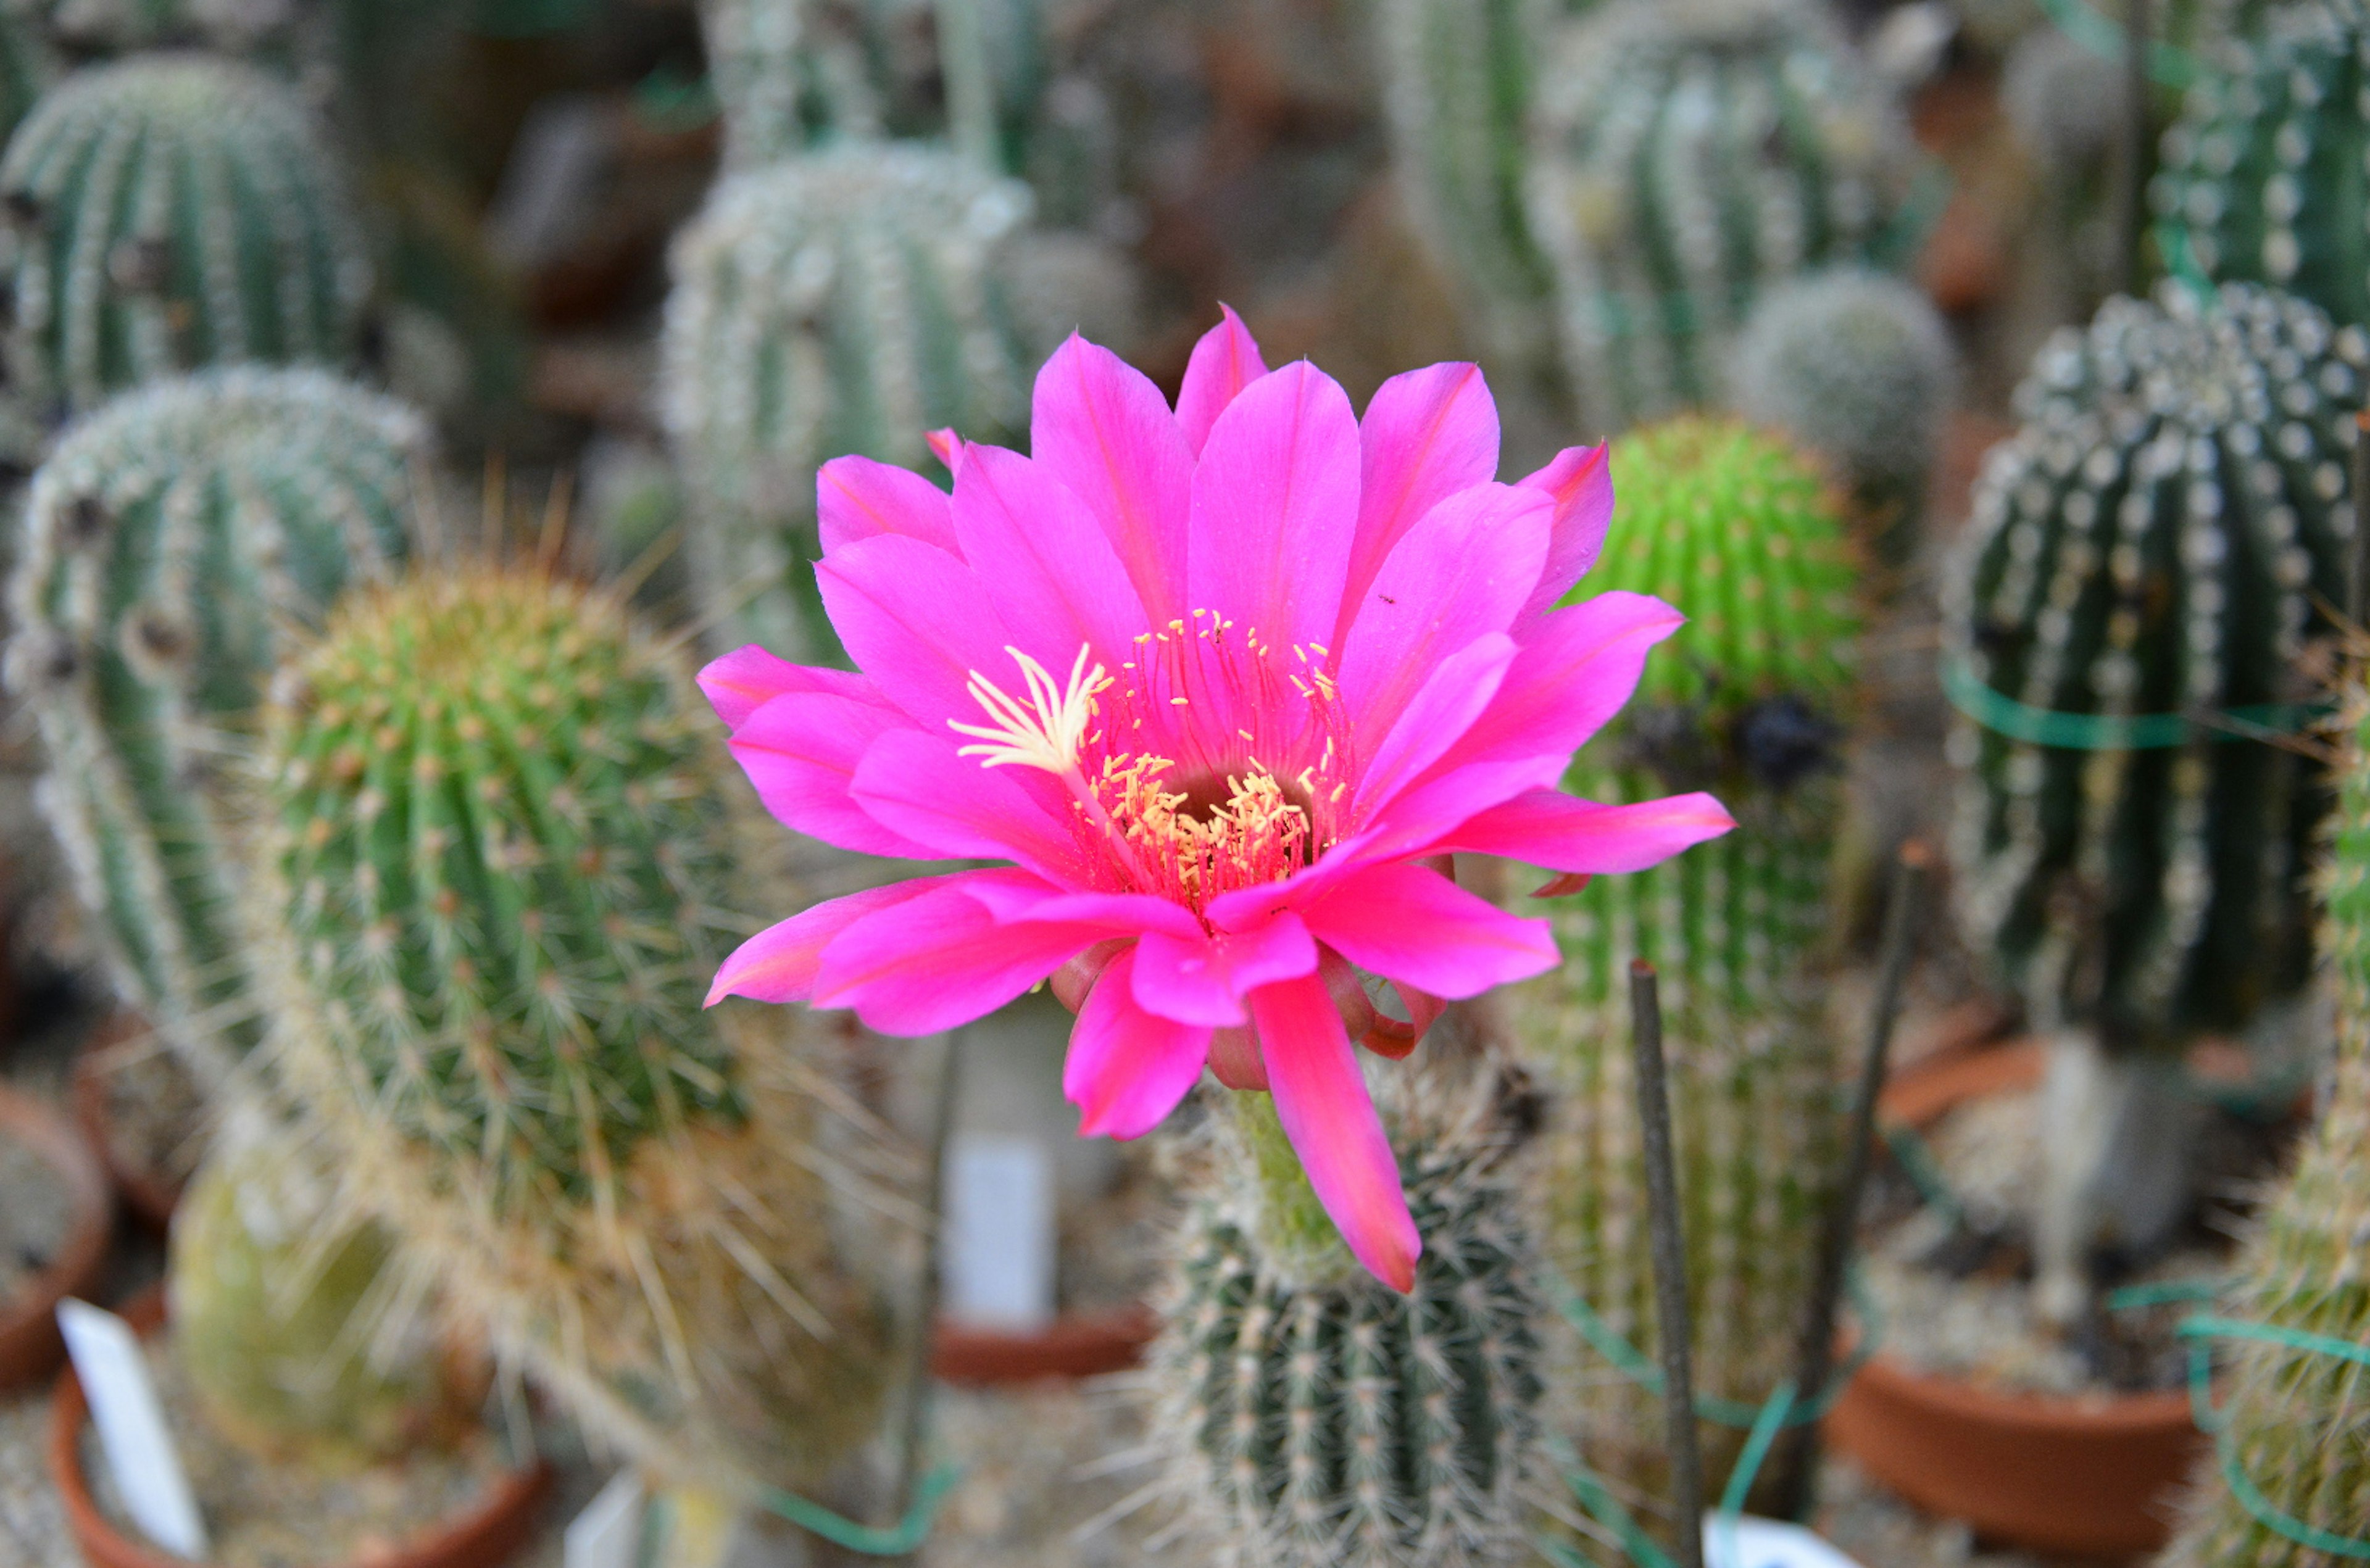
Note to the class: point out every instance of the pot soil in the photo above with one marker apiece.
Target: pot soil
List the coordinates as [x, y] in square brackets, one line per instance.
[53, 1232]
[479, 1512]
[2091, 1473]
[141, 1111]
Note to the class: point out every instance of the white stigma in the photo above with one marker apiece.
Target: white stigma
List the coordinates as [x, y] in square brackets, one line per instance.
[1046, 731]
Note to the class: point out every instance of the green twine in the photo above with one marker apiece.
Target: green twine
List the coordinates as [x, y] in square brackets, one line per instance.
[2215, 1423]
[900, 1540]
[2003, 714]
[2169, 64]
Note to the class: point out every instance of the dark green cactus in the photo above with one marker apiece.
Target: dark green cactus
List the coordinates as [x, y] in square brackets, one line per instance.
[172, 542]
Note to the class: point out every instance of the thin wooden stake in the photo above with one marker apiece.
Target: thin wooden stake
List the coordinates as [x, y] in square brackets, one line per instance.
[1670, 1267]
[2131, 196]
[914, 1418]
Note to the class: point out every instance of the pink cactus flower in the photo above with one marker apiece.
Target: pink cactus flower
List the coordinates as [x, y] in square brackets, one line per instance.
[1221, 688]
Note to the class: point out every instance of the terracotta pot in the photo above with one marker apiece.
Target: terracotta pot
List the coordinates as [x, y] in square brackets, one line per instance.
[149, 1195]
[1083, 1346]
[2087, 1475]
[29, 1344]
[488, 1534]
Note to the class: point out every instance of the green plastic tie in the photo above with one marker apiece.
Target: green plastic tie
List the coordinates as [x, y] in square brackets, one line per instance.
[2204, 1327]
[2003, 714]
[2132, 1298]
[1633, 1364]
[901, 1539]
[2169, 64]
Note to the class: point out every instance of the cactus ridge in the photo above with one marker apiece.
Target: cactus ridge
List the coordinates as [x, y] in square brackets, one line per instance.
[172, 542]
[2152, 541]
[168, 212]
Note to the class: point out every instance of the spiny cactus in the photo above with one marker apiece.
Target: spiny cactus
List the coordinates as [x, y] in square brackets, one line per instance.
[852, 301]
[168, 212]
[1684, 154]
[1747, 698]
[299, 1338]
[789, 76]
[496, 848]
[1318, 1418]
[172, 543]
[1857, 367]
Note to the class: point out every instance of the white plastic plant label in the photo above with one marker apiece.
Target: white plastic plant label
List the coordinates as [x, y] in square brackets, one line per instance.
[132, 1433]
[996, 1258]
[1746, 1542]
[608, 1533]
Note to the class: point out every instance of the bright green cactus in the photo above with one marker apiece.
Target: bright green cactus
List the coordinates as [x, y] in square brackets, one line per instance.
[172, 542]
[167, 212]
[847, 302]
[1318, 1419]
[1685, 155]
[497, 850]
[1732, 527]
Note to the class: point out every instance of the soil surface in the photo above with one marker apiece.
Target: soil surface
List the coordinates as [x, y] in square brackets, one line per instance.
[36, 1214]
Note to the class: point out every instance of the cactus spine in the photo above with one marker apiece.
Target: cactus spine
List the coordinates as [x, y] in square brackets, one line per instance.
[168, 212]
[497, 845]
[171, 542]
[1319, 1419]
[1684, 154]
[1733, 527]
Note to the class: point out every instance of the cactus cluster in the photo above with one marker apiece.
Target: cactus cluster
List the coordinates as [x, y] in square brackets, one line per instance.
[1317, 1419]
[172, 543]
[168, 212]
[1684, 154]
[496, 846]
[2144, 566]
[1746, 699]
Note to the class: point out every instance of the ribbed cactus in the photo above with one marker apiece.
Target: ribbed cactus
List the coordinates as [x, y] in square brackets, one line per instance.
[2263, 177]
[172, 542]
[300, 1337]
[1686, 154]
[851, 301]
[2294, 1416]
[497, 845]
[1733, 528]
[167, 212]
[1317, 1419]
[1858, 368]
[788, 73]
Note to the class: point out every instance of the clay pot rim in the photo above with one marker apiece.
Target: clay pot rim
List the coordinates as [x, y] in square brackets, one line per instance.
[27, 1317]
[151, 1199]
[486, 1535]
[1074, 1345]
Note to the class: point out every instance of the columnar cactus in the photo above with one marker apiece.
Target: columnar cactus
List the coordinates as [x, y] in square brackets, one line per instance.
[172, 543]
[168, 212]
[1317, 1417]
[851, 301]
[1684, 154]
[787, 76]
[496, 846]
[1747, 698]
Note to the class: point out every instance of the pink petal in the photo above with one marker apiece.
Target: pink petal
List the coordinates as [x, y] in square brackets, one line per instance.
[1104, 430]
[1391, 1038]
[778, 963]
[1055, 579]
[918, 622]
[856, 498]
[1411, 822]
[1225, 362]
[1275, 501]
[1581, 480]
[1427, 434]
[1576, 669]
[1015, 896]
[1562, 832]
[947, 446]
[1127, 1068]
[1465, 569]
[916, 785]
[1414, 924]
[1202, 980]
[748, 678]
[1455, 694]
[1321, 1099]
[936, 961]
[1235, 1058]
[802, 751]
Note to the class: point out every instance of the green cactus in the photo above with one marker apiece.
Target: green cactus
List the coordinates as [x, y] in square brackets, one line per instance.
[1858, 368]
[850, 300]
[1733, 527]
[292, 1326]
[1685, 155]
[168, 212]
[497, 844]
[1318, 1417]
[789, 75]
[172, 542]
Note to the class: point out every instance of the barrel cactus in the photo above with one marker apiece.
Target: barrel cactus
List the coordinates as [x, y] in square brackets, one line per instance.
[495, 847]
[848, 301]
[168, 212]
[1684, 154]
[1317, 1417]
[1748, 698]
[172, 543]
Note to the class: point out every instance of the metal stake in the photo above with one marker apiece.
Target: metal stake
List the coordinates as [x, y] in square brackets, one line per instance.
[2132, 197]
[1670, 1266]
[914, 1418]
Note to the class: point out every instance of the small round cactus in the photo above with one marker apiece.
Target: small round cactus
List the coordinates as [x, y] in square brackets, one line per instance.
[1858, 368]
[168, 212]
[172, 542]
